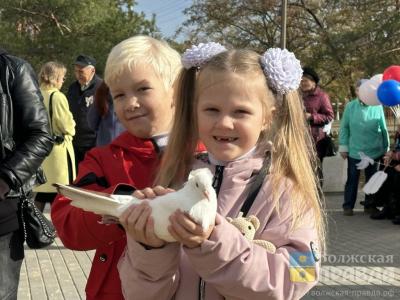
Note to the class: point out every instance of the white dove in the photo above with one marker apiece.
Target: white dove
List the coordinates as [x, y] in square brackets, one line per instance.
[197, 198]
[365, 161]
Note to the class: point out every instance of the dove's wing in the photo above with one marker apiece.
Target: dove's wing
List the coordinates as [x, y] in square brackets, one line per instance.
[375, 182]
[99, 203]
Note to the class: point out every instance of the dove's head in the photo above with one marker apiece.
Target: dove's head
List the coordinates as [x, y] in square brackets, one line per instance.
[201, 181]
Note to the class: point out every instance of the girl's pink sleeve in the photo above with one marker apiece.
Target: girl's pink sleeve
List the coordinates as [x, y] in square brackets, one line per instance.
[152, 274]
[239, 269]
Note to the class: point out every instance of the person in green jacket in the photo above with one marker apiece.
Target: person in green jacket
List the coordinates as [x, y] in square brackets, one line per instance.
[362, 129]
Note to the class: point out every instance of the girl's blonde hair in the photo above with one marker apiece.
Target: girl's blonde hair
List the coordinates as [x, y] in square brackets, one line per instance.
[293, 154]
[50, 73]
[147, 51]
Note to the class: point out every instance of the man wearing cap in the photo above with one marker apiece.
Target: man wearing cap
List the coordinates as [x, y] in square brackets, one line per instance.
[318, 110]
[80, 97]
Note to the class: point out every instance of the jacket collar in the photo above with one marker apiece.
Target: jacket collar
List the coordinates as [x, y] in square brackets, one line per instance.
[131, 143]
[91, 83]
[241, 169]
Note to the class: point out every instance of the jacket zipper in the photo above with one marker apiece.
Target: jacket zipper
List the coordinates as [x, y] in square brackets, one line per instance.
[217, 182]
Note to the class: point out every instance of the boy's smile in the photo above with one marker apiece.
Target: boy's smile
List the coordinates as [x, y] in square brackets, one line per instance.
[142, 103]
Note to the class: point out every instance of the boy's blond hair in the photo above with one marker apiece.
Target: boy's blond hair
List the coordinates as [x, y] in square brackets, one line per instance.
[50, 72]
[147, 51]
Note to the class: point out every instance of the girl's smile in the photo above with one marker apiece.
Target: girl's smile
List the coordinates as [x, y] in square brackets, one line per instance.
[225, 139]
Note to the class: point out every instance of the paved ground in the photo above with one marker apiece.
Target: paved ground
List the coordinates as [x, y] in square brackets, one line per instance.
[363, 259]
[363, 262]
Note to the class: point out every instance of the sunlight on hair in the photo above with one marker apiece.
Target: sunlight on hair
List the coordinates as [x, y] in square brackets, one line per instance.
[147, 51]
[50, 73]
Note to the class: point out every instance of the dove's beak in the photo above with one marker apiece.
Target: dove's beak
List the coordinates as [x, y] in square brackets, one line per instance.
[206, 194]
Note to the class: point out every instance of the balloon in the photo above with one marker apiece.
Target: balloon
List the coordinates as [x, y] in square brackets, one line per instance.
[367, 92]
[389, 92]
[393, 72]
[377, 78]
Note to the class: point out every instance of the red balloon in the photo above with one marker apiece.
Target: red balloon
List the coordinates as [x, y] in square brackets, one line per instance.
[393, 72]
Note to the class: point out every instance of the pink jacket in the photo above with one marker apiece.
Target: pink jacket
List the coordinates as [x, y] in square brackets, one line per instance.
[231, 266]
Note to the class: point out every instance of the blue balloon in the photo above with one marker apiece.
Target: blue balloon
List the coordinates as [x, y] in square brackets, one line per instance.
[389, 92]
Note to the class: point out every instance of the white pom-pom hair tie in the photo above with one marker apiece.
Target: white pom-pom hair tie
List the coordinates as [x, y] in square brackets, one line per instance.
[199, 54]
[282, 69]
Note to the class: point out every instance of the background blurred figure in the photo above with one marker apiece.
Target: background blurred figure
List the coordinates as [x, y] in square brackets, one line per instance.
[101, 116]
[362, 129]
[59, 166]
[397, 139]
[25, 141]
[319, 112]
[80, 97]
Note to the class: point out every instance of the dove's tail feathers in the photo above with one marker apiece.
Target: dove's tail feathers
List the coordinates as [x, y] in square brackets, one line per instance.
[78, 194]
[375, 182]
[98, 203]
[97, 209]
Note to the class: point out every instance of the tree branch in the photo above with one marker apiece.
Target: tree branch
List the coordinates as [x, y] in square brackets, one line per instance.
[52, 17]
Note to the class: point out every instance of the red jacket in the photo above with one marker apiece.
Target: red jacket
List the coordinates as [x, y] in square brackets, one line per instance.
[127, 160]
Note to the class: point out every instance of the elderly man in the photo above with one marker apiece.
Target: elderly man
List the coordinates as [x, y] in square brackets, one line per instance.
[80, 97]
[25, 140]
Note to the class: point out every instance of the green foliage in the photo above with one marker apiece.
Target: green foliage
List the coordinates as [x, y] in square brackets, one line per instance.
[43, 30]
[342, 40]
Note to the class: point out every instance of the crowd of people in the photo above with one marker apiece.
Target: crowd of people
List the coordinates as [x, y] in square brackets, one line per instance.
[363, 131]
[156, 116]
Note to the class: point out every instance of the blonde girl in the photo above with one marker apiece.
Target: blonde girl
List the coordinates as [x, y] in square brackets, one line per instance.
[59, 166]
[246, 110]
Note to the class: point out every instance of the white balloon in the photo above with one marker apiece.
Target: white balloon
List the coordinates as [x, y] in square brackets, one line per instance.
[368, 92]
[377, 78]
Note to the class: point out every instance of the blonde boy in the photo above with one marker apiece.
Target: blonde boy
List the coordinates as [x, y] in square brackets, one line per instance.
[140, 72]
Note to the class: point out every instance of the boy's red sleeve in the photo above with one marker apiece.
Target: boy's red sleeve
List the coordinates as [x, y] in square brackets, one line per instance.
[78, 229]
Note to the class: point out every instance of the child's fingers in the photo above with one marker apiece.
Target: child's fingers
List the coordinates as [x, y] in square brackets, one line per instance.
[179, 229]
[149, 193]
[138, 194]
[133, 217]
[218, 219]
[160, 190]
[141, 222]
[123, 219]
[151, 237]
[188, 224]
[150, 229]
[183, 236]
[172, 231]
